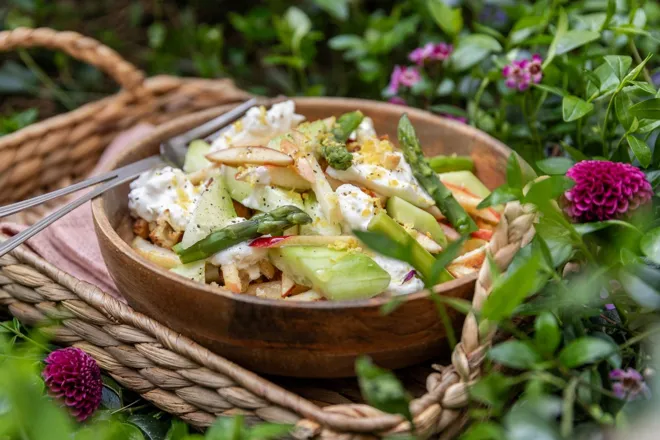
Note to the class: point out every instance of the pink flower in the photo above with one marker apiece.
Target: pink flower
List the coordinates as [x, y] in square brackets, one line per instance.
[521, 73]
[73, 377]
[455, 118]
[397, 100]
[403, 76]
[605, 190]
[431, 52]
[629, 384]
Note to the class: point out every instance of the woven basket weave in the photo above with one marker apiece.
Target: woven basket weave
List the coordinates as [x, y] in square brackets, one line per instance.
[169, 370]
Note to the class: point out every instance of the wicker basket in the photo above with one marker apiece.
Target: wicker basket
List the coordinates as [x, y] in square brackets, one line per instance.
[173, 372]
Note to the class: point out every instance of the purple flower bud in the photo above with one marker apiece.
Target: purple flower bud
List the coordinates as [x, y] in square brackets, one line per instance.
[455, 118]
[629, 384]
[431, 52]
[605, 190]
[520, 74]
[409, 276]
[397, 100]
[74, 378]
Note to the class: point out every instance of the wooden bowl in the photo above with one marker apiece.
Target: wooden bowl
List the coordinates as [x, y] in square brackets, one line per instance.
[318, 339]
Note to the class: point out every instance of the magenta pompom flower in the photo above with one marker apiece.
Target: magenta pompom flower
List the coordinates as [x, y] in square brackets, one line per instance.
[403, 76]
[73, 377]
[521, 73]
[629, 384]
[605, 190]
[431, 52]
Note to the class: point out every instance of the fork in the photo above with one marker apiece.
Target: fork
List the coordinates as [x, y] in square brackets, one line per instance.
[172, 152]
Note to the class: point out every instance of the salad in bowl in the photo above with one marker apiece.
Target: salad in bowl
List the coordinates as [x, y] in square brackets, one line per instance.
[272, 206]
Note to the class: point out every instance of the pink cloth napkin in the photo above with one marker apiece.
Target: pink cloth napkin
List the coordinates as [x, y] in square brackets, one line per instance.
[70, 243]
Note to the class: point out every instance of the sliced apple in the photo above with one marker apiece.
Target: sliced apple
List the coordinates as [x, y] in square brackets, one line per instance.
[469, 202]
[285, 177]
[308, 167]
[467, 264]
[304, 240]
[308, 296]
[427, 243]
[250, 156]
[483, 234]
[232, 278]
[156, 254]
[270, 290]
[450, 233]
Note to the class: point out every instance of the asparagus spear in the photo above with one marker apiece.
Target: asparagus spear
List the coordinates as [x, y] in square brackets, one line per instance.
[333, 147]
[412, 151]
[445, 164]
[273, 222]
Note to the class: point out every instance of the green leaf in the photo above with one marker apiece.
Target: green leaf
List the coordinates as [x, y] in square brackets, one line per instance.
[547, 336]
[611, 10]
[265, 431]
[444, 258]
[472, 50]
[514, 177]
[484, 431]
[514, 354]
[500, 196]
[226, 428]
[649, 109]
[542, 191]
[381, 389]
[345, 42]
[384, 245]
[632, 75]
[619, 64]
[511, 289]
[555, 165]
[650, 245]
[152, 428]
[550, 89]
[576, 154]
[585, 350]
[640, 149]
[622, 103]
[574, 108]
[525, 27]
[156, 34]
[588, 228]
[300, 23]
[178, 430]
[337, 8]
[574, 39]
[492, 390]
[449, 19]
[562, 28]
[644, 87]
[641, 281]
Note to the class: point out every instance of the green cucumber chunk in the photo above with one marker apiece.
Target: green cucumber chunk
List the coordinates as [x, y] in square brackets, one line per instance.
[408, 214]
[337, 275]
[263, 198]
[195, 159]
[445, 164]
[213, 211]
[420, 258]
[195, 271]
[467, 180]
[320, 225]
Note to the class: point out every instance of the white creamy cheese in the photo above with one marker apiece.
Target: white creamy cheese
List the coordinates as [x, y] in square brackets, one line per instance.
[357, 207]
[258, 175]
[398, 271]
[243, 256]
[398, 181]
[364, 131]
[166, 191]
[259, 126]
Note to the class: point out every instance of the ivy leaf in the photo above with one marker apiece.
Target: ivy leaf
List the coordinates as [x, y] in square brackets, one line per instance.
[574, 108]
[641, 151]
[649, 109]
[449, 19]
[514, 354]
[585, 350]
[473, 49]
[574, 39]
[152, 428]
[555, 165]
[650, 245]
[381, 389]
[547, 336]
[510, 290]
[619, 64]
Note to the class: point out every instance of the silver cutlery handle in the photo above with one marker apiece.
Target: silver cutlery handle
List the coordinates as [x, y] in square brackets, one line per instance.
[122, 175]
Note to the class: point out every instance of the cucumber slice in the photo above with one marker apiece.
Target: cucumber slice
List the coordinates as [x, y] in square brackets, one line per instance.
[337, 275]
[466, 180]
[195, 271]
[260, 197]
[196, 156]
[408, 214]
[214, 210]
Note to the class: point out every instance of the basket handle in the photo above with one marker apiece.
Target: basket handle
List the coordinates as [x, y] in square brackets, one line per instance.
[79, 47]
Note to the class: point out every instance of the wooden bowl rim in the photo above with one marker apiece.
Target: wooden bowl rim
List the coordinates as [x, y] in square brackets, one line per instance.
[105, 228]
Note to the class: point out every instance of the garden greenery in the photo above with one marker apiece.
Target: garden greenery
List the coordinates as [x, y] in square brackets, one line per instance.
[558, 81]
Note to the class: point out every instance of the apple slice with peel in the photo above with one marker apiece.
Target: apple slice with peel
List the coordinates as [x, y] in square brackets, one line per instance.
[156, 254]
[470, 201]
[483, 234]
[304, 240]
[468, 263]
[250, 156]
[285, 177]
